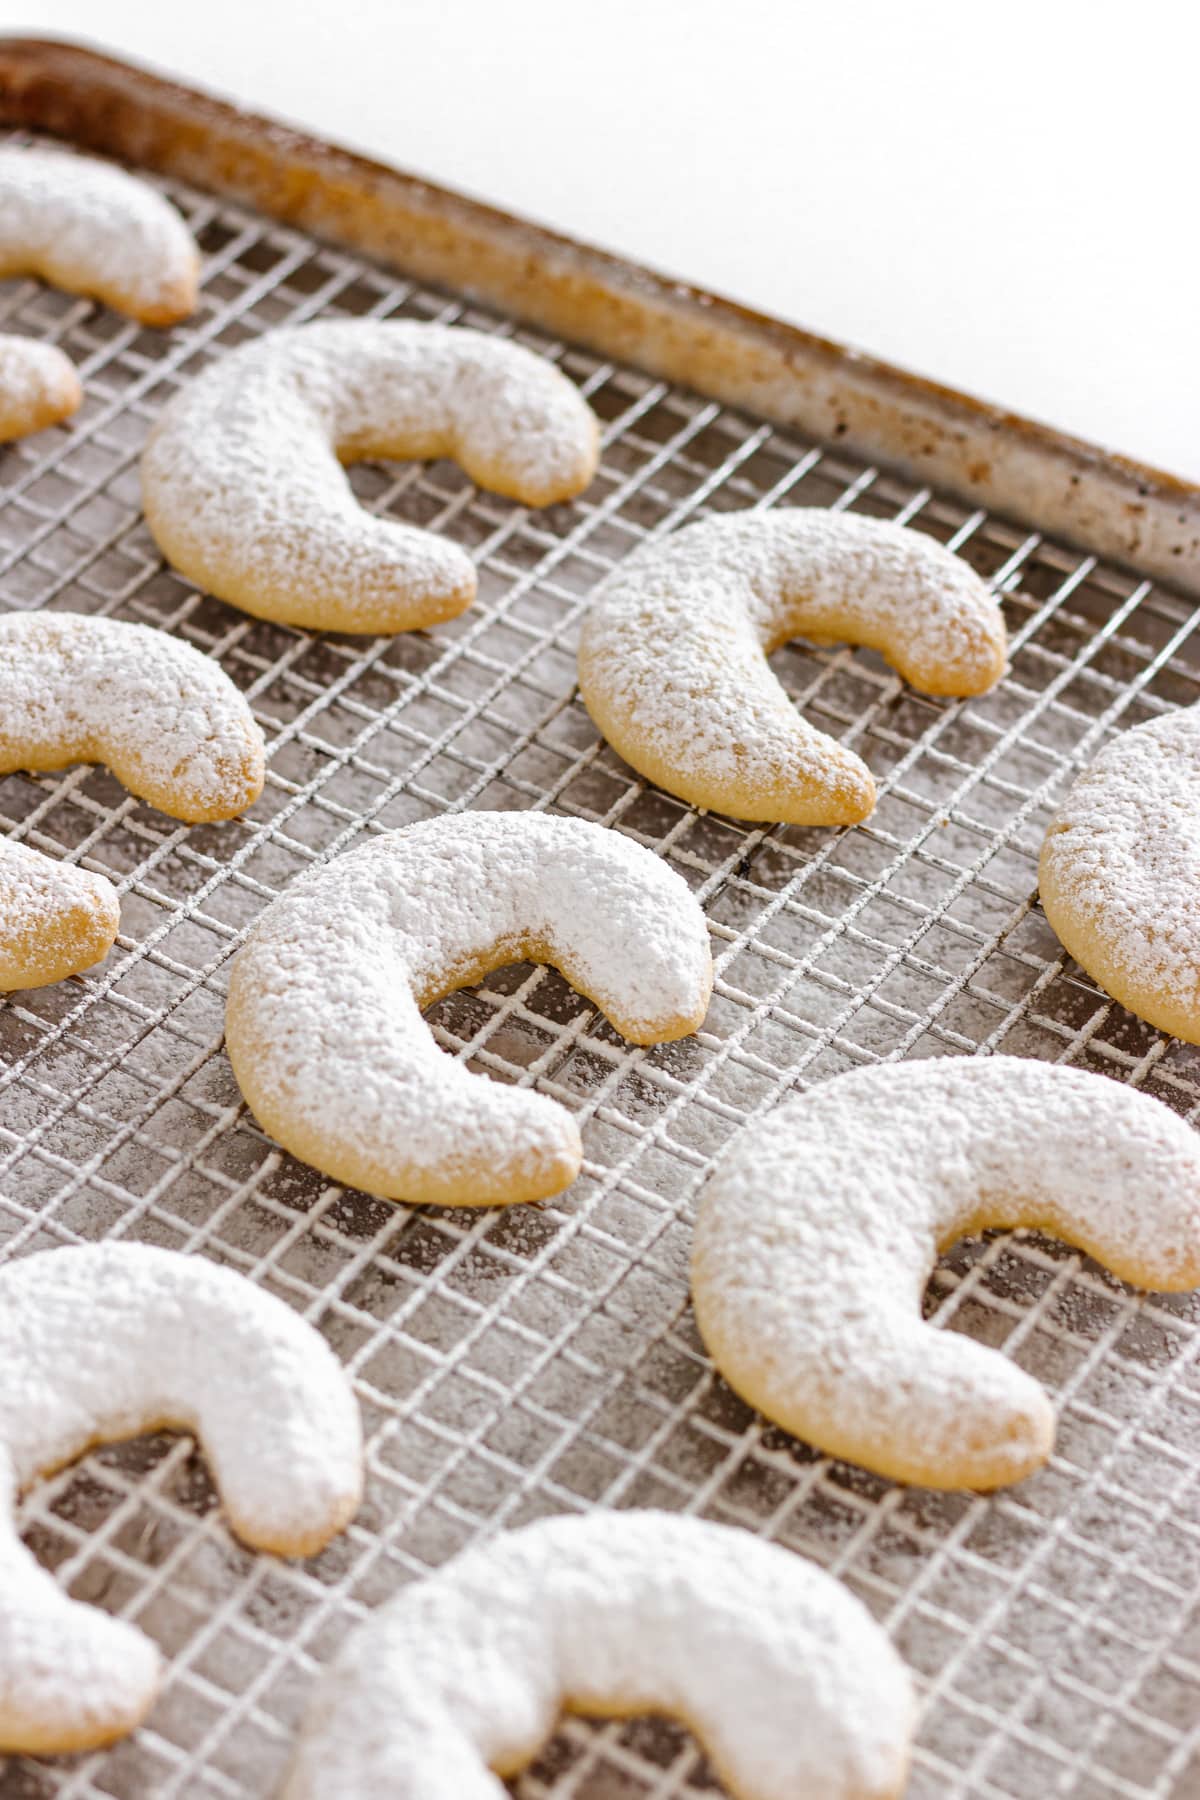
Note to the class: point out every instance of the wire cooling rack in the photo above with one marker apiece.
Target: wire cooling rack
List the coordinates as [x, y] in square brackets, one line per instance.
[534, 1360]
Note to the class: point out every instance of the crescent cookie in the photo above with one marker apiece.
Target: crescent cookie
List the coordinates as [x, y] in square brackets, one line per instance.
[243, 489]
[108, 1340]
[38, 387]
[56, 919]
[92, 229]
[819, 1228]
[324, 1025]
[165, 718]
[673, 655]
[780, 1671]
[1120, 872]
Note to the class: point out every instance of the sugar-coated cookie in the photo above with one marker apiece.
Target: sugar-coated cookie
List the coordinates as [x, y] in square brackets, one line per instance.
[165, 718]
[38, 387]
[324, 1023]
[56, 919]
[673, 655]
[92, 229]
[243, 489]
[779, 1670]
[820, 1225]
[1120, 872]
[99, 1343]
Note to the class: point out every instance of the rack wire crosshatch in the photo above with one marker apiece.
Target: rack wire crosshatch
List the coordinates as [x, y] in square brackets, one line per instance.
[538, 1359]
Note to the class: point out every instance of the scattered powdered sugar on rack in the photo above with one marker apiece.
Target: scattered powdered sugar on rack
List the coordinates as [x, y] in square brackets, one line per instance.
[324, 1027]
[1120, 871]
[781, 1672]
[820, 1227]
[38, 386]
[90, 228]
[165, 718]
[672, 658]
[55, 919]
[107, 1340]
[244, 492]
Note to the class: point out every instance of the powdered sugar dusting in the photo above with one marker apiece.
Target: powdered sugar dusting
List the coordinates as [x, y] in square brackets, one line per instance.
[244, 492]
[1120, 871]
[38, 386]
[672, 660]
[820, 1226]
[781, 1672]
[165, 718]
[107, 1340]
[324, 1027]
[90, 228]
[55, 918]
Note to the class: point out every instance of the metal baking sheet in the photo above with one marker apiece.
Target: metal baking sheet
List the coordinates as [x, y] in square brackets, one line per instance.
[974, 450]
[527, 1361]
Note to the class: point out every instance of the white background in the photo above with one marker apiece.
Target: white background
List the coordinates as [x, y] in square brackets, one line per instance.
[1002, 196]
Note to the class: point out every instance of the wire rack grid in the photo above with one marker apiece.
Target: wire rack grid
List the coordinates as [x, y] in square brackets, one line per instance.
[532, 1360]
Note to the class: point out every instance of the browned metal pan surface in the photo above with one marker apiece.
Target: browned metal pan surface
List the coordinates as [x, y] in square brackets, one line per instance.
[1107, 503]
